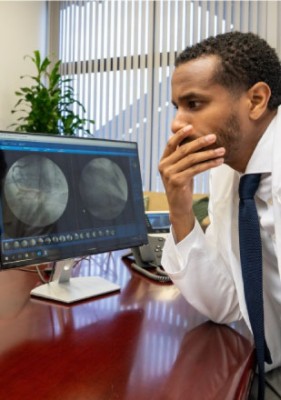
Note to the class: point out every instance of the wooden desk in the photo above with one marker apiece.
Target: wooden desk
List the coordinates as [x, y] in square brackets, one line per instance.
[142, 343]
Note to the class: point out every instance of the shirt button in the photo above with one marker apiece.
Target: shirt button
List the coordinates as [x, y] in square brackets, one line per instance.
[270, 202]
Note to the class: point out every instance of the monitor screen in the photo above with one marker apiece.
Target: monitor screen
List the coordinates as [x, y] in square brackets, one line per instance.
[62, 197]
[157, 221]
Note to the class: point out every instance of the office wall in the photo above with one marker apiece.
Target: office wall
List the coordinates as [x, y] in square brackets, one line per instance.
[23, 27]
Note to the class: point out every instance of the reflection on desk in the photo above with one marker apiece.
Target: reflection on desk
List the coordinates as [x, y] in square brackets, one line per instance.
[145, 342]
[215, 358]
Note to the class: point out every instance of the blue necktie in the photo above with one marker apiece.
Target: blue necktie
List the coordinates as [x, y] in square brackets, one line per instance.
[251, 262]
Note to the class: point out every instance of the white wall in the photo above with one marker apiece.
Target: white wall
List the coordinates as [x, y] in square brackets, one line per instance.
[23, 27]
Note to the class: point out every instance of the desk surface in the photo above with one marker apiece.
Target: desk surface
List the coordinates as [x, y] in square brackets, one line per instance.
[144, 342]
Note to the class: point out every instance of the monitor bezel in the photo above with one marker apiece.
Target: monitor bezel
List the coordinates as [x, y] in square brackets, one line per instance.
[50, 138]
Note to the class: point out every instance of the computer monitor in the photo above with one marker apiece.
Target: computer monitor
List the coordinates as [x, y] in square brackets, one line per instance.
[63, 197]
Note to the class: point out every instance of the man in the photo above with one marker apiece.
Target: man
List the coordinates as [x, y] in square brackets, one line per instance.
[226, 91]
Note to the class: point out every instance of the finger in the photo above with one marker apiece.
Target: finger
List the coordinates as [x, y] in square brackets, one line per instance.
[176, 139]
[181, 152]
[192, 164]
[187, 160]
[196, 145]
[205, 166]
[180, 178]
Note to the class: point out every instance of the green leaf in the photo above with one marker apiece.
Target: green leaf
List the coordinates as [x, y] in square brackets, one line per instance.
[47, 105]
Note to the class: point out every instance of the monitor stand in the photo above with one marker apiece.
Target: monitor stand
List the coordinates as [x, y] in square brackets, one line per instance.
[67, 289]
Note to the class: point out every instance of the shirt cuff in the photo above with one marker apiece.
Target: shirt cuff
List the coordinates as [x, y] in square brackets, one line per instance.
[175, 255]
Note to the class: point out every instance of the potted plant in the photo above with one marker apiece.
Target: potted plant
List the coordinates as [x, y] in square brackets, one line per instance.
[47, 105]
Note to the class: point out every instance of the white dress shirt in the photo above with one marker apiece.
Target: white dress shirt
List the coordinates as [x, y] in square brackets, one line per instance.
[202, 271]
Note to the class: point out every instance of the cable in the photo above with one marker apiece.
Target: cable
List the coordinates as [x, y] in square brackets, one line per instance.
[268, 386]
[51, 271]
[272, 388]
[159, 270]
[41, 276]
[162, 277]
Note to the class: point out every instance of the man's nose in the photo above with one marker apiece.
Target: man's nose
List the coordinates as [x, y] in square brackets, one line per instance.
[178, 123]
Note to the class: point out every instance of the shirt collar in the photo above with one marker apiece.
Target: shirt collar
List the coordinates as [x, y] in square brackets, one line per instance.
[261, 160]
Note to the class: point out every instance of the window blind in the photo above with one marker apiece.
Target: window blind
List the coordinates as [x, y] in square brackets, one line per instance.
[120, 55]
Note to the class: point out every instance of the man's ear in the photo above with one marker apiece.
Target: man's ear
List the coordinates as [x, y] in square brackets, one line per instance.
[258, 96]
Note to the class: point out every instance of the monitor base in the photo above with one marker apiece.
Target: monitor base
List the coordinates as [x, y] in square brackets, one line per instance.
[66, 289]
[76, 289]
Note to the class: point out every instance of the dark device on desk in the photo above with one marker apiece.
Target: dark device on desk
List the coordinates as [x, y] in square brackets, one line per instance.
[149, 256]
[64, 197]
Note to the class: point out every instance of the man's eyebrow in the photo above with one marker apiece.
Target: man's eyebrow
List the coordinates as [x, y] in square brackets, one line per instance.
[189, 96]
[185, 97]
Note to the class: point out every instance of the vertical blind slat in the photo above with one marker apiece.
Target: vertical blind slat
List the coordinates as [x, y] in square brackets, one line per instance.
[228, 15]
[220, 16]
[244, 16]
[102, 81]
[147, 157]
[156, 89]
[120, 95]
[211, 18]
[107, 45]
[135, 86]
[127, 86]
[142, 83]
[203, 22]
[115, 84]
[89, 60]
[253, 16]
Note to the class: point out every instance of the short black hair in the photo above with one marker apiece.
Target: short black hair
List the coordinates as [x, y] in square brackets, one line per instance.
[245, 59]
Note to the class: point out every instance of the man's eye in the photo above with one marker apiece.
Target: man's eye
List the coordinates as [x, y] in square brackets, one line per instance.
[193, 104]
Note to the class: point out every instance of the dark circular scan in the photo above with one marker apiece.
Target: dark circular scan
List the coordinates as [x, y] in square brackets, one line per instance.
[103, 188]
[36, 190]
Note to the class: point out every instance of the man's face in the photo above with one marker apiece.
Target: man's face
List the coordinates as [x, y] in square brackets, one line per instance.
[207, 106]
